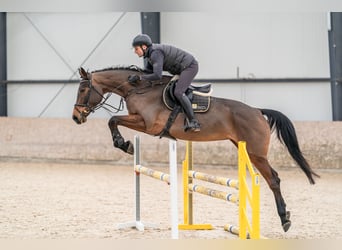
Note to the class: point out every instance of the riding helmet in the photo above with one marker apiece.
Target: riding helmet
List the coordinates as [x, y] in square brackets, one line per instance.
[142, 39]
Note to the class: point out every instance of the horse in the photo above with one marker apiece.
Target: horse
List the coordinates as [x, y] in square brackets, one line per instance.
[225, 120]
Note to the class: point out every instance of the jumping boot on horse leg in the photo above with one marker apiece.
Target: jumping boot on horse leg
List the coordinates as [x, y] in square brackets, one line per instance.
[193, 124]
[126, 146]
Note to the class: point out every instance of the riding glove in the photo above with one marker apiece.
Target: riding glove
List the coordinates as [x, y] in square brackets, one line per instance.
[133, 78]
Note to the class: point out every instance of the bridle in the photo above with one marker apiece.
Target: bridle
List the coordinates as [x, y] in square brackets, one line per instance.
[88, 109]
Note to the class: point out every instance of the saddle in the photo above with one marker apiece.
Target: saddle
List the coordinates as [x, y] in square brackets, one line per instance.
[199, 96]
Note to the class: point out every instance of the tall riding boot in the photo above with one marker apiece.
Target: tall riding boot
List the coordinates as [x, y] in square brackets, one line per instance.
[186, 105]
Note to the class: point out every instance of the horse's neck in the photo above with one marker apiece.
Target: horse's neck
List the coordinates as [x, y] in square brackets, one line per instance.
[112, 82]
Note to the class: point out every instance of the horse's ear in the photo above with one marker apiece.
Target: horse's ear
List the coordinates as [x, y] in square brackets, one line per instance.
[83, 73]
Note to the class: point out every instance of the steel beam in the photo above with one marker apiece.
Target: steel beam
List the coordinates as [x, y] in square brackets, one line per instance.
[3, 64]
[150, 25]
[335, 53]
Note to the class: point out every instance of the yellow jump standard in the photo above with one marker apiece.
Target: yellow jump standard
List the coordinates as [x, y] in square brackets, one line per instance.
[247, 230]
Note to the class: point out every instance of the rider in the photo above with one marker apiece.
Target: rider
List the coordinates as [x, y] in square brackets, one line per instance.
[161, 57]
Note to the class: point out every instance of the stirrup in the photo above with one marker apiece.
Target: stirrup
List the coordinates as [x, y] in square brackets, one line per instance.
[193, 126]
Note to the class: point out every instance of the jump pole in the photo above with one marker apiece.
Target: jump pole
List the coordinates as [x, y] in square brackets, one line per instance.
[169, 178]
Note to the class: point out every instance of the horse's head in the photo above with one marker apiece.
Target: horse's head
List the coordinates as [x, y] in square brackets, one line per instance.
[88, 97]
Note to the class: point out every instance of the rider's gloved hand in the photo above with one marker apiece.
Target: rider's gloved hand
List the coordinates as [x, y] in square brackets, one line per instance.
[133, 78]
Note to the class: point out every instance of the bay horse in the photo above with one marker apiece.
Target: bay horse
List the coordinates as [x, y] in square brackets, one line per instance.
[225, 120]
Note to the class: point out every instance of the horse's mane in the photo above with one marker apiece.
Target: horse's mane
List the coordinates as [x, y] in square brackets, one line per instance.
[121, 67]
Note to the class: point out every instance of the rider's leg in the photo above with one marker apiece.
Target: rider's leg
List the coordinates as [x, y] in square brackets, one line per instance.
[193, 122]
[185, 79]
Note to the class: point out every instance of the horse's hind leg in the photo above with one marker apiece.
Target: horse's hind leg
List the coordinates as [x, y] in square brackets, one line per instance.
[273, 181]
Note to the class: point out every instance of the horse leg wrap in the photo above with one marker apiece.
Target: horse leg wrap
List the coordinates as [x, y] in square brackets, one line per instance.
[118, 141]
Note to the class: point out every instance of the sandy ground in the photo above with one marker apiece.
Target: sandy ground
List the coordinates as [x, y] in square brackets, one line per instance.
[67, 201]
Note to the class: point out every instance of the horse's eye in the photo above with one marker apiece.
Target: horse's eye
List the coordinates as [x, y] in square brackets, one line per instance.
[82, 90]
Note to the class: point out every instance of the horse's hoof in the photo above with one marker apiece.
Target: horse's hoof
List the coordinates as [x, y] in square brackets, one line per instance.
[286, 226]
[130, 148]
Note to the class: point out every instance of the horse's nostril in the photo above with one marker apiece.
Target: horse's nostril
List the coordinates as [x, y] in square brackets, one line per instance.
[74, 117]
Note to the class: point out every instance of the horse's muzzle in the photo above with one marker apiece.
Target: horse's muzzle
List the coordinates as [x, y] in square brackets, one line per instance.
[80, 116]
[75, 118]
[81, 119]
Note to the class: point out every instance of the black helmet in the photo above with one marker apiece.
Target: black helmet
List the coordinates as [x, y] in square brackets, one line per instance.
[142, 39]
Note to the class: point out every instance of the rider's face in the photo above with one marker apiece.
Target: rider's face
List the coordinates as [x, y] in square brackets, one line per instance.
[139, 50]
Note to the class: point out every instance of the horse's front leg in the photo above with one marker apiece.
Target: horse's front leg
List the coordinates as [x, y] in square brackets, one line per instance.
[135, 122]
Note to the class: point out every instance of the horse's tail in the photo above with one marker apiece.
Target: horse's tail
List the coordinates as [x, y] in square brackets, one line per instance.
[287, 135]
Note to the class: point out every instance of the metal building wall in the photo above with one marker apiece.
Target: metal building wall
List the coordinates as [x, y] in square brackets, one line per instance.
[260, 45]
[53, 46]
[299, 101]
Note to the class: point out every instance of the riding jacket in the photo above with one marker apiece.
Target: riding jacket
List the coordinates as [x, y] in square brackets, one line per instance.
[161, 57]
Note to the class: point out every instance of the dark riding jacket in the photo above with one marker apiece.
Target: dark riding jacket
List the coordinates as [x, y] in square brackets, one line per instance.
[161, 57]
